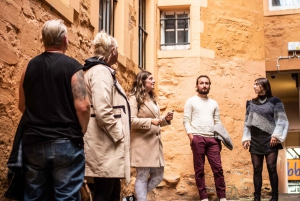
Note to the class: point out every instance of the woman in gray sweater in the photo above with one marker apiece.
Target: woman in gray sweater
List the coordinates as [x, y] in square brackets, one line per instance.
[265, 128]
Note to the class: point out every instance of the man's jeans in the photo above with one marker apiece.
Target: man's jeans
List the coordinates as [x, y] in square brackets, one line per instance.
[210, 147]
[54, 170]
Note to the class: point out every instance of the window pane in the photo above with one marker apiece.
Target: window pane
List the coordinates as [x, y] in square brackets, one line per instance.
[170, 37]
[182, 36]
[181, 24]
[170, 24]
[275, 2]
[182, 15]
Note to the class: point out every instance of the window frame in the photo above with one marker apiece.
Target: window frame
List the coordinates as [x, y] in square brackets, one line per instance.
[278, 8]
[163, 30]
[142, 35]
[107, 16]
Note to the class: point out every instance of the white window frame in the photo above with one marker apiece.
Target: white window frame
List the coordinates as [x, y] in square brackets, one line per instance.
[285, 5]
[162, 30]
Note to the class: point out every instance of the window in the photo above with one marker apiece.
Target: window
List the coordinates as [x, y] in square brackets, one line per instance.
[175, 30]
[283, 4]
[142, 34]
[106, 16]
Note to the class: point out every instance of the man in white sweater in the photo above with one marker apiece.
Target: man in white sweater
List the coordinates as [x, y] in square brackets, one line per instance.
[200, 115]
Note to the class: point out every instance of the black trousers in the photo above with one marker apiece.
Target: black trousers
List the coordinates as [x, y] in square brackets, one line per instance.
[107, 189]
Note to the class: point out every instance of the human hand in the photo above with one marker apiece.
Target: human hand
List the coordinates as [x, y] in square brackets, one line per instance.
[191, 137]
[273, 141]
[156, 122]
[169, 116]
[246, 144]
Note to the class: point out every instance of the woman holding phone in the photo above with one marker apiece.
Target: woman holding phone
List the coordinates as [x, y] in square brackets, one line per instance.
[146, 145]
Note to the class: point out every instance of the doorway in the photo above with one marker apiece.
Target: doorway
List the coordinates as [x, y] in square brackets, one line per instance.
[285, 85]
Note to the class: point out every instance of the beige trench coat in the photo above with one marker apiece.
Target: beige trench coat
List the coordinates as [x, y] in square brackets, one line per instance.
[107, 140]
[145, 140]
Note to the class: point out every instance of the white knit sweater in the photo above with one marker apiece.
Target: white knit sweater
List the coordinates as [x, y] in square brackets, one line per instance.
[200, 116]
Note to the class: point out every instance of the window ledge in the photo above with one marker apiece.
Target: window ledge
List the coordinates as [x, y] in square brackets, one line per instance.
[282, 11]
[66, 11]
[202, 52]
[175, 47]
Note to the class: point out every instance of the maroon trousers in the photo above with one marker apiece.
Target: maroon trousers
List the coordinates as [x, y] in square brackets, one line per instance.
[210, 147]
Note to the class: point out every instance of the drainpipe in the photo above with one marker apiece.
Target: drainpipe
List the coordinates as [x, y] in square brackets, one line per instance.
[285, 57]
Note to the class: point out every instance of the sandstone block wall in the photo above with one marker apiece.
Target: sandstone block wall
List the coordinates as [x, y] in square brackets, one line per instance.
[20, 40]
[234, 30]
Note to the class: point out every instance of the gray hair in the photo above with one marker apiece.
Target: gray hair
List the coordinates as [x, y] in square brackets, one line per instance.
[53, 32]
[103, 43]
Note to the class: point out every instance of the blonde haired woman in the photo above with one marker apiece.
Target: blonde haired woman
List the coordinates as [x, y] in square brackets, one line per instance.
[146, 145]
[107, 138]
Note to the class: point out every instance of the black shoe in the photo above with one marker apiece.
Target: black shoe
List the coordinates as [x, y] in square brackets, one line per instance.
[256, 196]
[274, 196]
[129, 198]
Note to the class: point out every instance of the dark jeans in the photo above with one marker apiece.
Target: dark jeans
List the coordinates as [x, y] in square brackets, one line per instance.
[54, 170]
[107, 189]
[210, 147]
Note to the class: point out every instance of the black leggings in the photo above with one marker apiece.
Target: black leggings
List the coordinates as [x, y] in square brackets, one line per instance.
[257, 161]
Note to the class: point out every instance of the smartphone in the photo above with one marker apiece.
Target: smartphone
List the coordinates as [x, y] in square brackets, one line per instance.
[170, 112]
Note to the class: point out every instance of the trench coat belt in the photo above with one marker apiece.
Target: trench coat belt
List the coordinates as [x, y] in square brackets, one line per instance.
[115, 116]
[93, 115]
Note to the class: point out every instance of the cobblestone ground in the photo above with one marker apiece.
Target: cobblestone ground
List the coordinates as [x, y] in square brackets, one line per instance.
[282, 197]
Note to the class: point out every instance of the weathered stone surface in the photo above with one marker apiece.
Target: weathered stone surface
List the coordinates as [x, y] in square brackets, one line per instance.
[10, 12]
[20, 40]
[7, 55]
[234, 31]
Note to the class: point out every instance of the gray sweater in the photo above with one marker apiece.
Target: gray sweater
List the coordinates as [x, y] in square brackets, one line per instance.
[269, 117]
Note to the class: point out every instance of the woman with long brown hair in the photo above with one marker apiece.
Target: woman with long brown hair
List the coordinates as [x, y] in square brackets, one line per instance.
[145, 140]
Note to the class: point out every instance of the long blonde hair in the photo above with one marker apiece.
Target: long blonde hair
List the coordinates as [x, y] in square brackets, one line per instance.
[138, 88]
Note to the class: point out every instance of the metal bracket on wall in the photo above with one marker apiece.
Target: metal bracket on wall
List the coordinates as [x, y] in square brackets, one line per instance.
[293, 47]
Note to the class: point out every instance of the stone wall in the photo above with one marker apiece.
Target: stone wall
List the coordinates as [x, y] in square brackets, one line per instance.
[234, 30]
[20, 40]
[279, 30]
